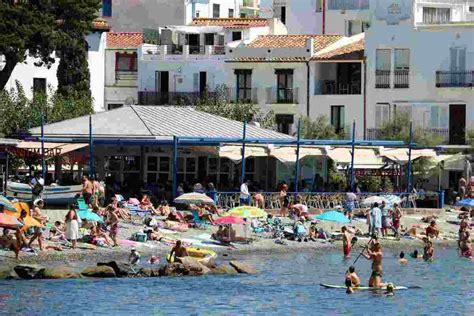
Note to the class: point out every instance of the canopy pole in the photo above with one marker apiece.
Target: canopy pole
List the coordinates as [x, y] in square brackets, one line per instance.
[175, 167]
[7, 170]
[43, 162]
[353, 155]
[91, 148]
[297, 162]
[243, 152]
[409, 176]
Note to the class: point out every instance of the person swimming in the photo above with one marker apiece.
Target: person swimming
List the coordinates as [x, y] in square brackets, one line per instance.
[415, 254]
[390, 290]
[402, 259]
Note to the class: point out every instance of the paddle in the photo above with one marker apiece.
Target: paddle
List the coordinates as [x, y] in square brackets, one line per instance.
[363, 249]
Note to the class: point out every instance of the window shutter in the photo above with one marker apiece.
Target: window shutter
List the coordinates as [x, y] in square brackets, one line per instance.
[196, 82]
[454, 58]
[342, 117]
[462, 59]
[117, 56]
[378, 115]
[158, 81]
[443, 117]
[435, 113]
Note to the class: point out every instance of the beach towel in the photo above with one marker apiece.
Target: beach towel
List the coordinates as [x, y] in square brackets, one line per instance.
[133, 201]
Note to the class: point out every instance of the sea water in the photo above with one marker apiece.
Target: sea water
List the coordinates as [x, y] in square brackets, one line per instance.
[287, 284]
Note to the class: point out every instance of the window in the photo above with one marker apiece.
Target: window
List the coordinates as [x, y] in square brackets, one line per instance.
[284, 85]
[216, 11]
[231, 13]
[319, 5]
[436, 15]
[39, 85]
[106, 8]
[383, 66]
[337, 117]
[236, 36]
[209, 39]
[438, 117]
[112, 106]
[402, 68]
[196, 14]
[284, 122]
[244, 85]
[283, 15]
[471, 9]
[125, 61]
[382, 114]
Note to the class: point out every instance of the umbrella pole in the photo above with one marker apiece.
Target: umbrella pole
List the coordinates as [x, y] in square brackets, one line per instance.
[43, 163]
[297, 162]
[243, 152]
[91, 148]
[352, 155]
[175, 167]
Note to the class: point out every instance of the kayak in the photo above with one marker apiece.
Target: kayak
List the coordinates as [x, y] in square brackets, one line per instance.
[330, 286]
[201, 255]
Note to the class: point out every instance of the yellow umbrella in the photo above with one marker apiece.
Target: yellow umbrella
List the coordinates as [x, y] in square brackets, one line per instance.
[28, 221]
[246, 212]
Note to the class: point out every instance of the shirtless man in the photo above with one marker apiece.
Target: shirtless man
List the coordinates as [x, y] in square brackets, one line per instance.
[352, 280]
[465, 242]
[87, 189]
[42, 219]
[179, 251]
[376, 255]
[428, 251]
[346, 242]
[432, 231]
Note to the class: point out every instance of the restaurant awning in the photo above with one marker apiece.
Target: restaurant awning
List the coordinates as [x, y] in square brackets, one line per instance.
[363, 158]
[287, 154]
[50, 149]
[234, 153]
[400, 155]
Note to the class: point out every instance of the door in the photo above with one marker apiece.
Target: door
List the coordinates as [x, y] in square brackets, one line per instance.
[162, 87]
[457, 124]
[202, 82]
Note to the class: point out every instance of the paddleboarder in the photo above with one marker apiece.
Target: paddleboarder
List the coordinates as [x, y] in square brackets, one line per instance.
[375, 253]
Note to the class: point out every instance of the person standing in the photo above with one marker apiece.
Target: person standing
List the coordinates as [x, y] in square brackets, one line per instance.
[350, 204]
[462, 186]
[87, 189]
[396, 218]
[375, 254]
[375, 219]
[95, 192]
[37, 186]
[244, 193]
[42, 219]
[113, 221]
[212, 192]
[73, 221]
[179, 190]
[284, 200]
[385, 211]
[346, 242]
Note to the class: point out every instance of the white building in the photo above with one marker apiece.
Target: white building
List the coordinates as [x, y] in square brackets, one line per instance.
[249, 8]
[134, 16]
[190, 59]
[343, 17]
[420, 60]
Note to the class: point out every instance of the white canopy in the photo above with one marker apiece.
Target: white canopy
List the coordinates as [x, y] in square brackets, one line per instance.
[362, 157]
[192, 29]
[400, 155]
[287, 154]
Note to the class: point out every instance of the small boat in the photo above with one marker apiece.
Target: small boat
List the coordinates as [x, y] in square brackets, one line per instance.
[52, 195]
[360, 288]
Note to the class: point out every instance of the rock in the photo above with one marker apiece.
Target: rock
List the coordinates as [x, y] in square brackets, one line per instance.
[194, 266]
[99, 272]
[61, 272]
[223, 269]
[173, 269]
[121, 269]
[211, 264]
[28, 271]
[243, 267]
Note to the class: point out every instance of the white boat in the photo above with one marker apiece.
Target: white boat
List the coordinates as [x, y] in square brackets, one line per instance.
[57, 195]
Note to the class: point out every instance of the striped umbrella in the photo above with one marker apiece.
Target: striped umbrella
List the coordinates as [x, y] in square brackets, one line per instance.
[246, 212]
[392, 199]
[9, 221]
[194, 198]
[6, 204]
[466, 202]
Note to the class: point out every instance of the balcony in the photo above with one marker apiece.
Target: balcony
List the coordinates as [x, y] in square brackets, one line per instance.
[455, 79]
[169, 98]
[443, 133]
[401, 79]
[126, 75]
[330, 87]
[185, 51]
[282, 96]
[243, 95]
[348, 5]
[382, 79]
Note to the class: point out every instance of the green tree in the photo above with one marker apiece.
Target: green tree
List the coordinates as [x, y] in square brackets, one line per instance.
[320, 128]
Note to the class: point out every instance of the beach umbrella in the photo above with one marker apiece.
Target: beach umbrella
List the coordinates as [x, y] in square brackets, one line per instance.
[19, 206]
[89, 216]
[466, 202]
[194, 198]
[333, 216]
[246, 212]
[9, 221]
[7, 205]
[229, 220]
[374, 199]
[28, 221]
[392, 199]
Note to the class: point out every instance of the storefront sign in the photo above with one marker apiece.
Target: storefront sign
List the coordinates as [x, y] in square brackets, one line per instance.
[378, 172]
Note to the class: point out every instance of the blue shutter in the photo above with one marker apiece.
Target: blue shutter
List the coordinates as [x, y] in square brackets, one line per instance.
[107, 8]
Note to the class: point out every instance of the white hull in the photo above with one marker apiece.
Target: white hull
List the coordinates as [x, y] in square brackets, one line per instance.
[51, 194]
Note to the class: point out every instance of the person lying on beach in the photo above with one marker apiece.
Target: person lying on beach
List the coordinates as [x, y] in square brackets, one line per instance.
[212, 209]
[203, 215]
[175, 216]
[163, 209]
[145, 204]
[179, 251]
[97, 235]
[432, 231]
[120, 212]
[57, 232]
[402, 259]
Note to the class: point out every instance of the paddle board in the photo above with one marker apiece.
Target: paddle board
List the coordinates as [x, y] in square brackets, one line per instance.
[331, 286]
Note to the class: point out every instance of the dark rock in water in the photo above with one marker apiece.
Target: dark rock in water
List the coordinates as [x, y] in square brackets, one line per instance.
[223, 269]
[173, 269]
[121, 269]
[194, 266]
[28, 271]
[61, 272]
[243, 267]
[99, 272]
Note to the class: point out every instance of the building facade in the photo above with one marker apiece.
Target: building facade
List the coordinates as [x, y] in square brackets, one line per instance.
[420, 61]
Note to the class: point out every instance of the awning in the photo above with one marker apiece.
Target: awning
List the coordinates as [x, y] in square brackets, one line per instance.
[287, 154]
[234, 153]
[457, 162]
[50, 149]
[400, 155]
[190, 29]
[363, 158]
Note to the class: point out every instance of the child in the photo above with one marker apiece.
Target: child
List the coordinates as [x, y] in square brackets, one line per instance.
[390, 290]
[402, 259]
[352, 280]
[428, 251]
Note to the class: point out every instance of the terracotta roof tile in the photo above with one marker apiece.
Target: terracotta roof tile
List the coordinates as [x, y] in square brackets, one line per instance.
[267, 60]
[124, 40]
[239, 23]
[354, 50]
[100, 24]
[293, 41]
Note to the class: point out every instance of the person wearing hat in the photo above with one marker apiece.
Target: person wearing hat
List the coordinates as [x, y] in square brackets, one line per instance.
[38, 204]
[134, 257]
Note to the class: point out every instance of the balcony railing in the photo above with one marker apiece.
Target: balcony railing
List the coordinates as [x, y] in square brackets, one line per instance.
[401, 79]
[243, 95]
[455, 79]
[348, 5]
[443, 133]
[328, 87]
[170, 98]
[286, 96]
[126, 75]
[382, 79]
[197, 49]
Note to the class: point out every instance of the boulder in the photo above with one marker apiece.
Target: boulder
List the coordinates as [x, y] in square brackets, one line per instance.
[28, 271]
[173, 269]
[194, 266]
[99, 272]
[223, 269]
[121, 269]
[61, 272]
[211, 264]
[241, 267]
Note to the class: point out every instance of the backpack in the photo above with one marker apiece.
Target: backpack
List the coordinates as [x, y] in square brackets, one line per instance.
[37, 189]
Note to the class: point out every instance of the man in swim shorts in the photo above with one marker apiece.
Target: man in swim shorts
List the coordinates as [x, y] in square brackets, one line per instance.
[346, 242]
[375, 254]
[179, 251]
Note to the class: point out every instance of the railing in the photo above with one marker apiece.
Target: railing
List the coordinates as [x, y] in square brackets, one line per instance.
[285, 95]
[218, 50]
[196, 50]
[443, 133]
[243, 95]
[455, 79]
[382, 79]
[332, 87]
[169, 98]
[348, 5]
[313, 200]
[126, 75]
[401, 79]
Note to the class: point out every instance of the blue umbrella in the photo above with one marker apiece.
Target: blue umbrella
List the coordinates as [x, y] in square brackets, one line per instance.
[90, 216]
[333, 216]
[466, 202]
[7, 205]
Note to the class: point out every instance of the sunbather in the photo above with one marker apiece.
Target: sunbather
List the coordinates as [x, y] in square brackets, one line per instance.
[145, 204]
